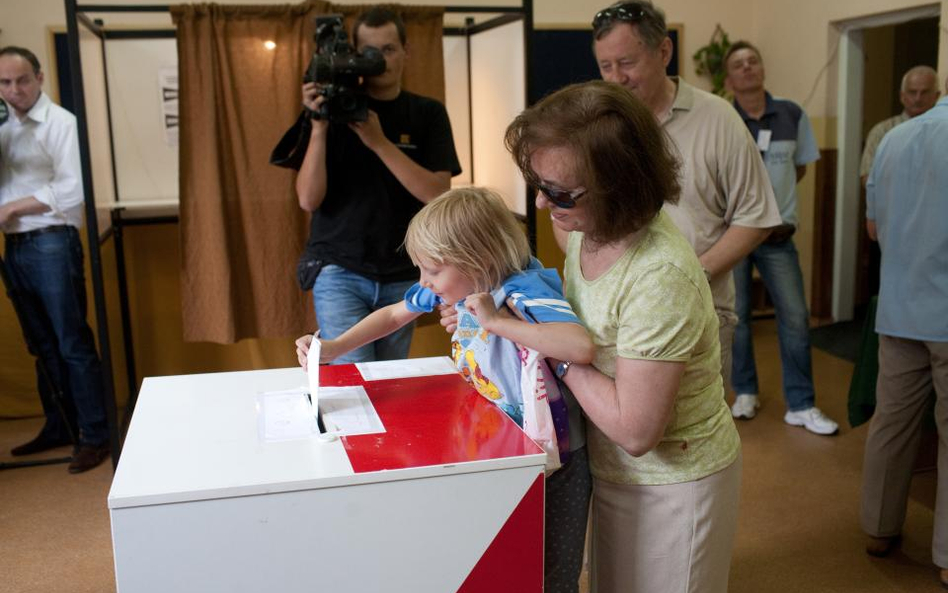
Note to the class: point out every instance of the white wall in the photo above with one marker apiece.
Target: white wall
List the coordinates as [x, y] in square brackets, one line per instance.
[497, 97]
[797, 37]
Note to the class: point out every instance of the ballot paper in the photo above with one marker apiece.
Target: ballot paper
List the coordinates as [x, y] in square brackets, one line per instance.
[312, 371]
[412, 367]
[285, 416]
[348, 411]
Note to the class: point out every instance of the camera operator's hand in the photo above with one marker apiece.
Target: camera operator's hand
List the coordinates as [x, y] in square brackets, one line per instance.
[370, 132]
[312, 180]
[313, 98]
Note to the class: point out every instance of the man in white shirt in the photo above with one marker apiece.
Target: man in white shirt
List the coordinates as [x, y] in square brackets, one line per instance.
[41, 203]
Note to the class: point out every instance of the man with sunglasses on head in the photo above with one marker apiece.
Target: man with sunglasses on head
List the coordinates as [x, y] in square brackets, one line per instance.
[727, 206]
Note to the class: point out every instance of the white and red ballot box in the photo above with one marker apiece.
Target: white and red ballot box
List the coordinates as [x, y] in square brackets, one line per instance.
[221, 487]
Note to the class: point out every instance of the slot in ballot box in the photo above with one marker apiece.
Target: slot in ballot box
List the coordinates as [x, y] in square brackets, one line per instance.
[211, 496]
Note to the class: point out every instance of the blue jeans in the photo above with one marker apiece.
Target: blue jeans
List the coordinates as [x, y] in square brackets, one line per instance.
[343, 298]
[779, 268]
[47, 275]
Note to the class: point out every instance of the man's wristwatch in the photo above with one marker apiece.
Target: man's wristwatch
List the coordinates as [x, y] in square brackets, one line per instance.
[562, 368]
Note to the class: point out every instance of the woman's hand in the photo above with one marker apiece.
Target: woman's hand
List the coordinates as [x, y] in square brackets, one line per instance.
[449, 317]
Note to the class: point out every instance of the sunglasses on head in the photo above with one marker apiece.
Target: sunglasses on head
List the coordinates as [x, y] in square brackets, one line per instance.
[560, 197]
[627, 13]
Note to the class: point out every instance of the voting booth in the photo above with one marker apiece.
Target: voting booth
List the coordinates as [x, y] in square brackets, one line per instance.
[408, 481]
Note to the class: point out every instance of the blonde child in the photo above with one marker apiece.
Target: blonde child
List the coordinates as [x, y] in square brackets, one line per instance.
[473, 255]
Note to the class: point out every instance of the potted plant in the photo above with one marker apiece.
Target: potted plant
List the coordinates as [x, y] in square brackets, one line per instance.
[709, 60]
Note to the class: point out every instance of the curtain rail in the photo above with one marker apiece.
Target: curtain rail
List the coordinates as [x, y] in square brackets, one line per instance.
[167, 7]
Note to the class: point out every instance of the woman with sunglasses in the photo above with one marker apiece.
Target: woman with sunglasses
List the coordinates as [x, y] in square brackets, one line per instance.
[664, 453]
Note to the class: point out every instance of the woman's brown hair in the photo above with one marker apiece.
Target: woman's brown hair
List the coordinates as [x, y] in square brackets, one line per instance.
[627, 163]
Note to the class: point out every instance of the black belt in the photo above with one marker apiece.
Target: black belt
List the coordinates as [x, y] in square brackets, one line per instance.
[781, 233]
[20, 237]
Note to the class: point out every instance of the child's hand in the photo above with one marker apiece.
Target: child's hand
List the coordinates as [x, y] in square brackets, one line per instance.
[482, 306]
[329, 350]
[302, 349]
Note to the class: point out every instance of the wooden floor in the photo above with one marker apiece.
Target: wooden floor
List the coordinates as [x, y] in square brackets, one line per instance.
[798, 529]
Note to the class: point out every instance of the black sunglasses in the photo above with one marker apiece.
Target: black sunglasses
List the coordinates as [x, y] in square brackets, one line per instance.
[631, 12]
[561, 197]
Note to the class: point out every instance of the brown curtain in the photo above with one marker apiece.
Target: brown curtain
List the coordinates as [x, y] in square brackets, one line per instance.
[241, 226]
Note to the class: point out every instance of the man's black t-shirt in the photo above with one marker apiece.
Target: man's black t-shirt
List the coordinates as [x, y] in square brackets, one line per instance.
[362, 221]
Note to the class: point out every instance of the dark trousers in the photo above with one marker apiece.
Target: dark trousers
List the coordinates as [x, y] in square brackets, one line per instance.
[568, 491]
[47, 274]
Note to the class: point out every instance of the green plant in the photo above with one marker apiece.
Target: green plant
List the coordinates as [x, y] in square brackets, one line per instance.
[709, 60]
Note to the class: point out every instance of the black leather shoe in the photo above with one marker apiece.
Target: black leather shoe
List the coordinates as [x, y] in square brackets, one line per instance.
[38, 445]
[87, 457]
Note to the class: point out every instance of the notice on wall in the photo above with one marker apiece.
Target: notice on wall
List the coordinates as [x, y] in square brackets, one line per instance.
[168, 99]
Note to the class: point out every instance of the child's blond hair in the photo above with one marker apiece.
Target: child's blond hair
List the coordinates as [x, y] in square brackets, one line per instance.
[472, 229]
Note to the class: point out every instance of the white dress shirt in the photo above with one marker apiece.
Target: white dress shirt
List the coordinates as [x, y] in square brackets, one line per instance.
[39, 157]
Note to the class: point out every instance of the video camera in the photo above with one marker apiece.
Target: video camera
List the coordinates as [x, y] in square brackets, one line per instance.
[339, 68]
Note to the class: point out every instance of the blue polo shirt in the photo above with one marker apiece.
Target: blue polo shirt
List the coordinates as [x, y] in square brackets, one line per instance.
[907, 197]
[791, 145]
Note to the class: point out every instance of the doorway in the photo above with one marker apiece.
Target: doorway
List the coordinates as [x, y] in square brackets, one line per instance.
[889, 52]
[851, 67]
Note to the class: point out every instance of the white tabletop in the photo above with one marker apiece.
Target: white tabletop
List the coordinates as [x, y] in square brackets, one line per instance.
[196, 437]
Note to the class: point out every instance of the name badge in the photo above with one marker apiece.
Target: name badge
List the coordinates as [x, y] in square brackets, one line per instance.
[763, 140]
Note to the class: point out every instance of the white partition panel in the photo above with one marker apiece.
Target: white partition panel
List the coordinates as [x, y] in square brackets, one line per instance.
[146, 157]
[457, 101]
[97, 118]
[498, 95]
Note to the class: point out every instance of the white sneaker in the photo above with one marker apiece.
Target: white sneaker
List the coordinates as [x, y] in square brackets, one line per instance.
[745, 406]
[813, 420]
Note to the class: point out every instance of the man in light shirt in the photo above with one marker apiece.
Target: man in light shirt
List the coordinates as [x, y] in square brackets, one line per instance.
[907, 205]
[786, 143]
[41, 203]
[727, 206]
[918, 94]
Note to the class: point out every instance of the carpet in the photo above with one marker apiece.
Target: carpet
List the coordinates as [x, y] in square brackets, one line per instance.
[841, 339]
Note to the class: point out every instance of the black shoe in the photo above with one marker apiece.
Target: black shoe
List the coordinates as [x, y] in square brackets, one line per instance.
[39, 444]
[880, 547]
[87, 457]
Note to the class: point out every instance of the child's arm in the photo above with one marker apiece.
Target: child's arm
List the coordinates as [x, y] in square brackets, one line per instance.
[561, 340]
[377, 325]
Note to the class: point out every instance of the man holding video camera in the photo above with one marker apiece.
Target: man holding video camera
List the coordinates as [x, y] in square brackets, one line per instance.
[363, 181]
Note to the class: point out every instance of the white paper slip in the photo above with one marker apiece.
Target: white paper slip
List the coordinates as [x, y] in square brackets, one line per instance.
[763, 140]
[348, 411]
[411, 367]
[312, 371]
[285, 416]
